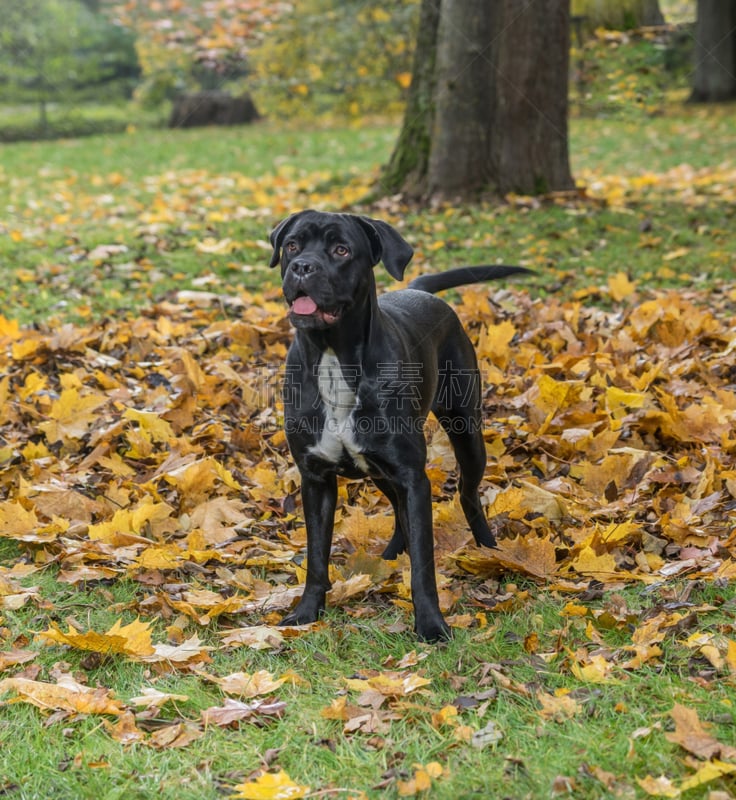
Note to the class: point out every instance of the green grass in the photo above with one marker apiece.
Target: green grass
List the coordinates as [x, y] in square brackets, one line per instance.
[659, 175]
[77, 758]
[162, 193]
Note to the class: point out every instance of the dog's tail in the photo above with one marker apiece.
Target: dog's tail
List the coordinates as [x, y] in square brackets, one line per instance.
[465, 275]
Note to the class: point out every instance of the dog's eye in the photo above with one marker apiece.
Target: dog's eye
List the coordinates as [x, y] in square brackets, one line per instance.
[341, 250]
[291, 247]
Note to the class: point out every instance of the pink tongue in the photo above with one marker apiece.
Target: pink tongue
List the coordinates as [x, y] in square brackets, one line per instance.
[304, 305]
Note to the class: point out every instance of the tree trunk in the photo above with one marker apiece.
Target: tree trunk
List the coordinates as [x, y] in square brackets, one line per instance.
[714, 77]
[212, 108]
[529, 143]
[407, 167]
[458, 161]
[488, 108]
[651, 13]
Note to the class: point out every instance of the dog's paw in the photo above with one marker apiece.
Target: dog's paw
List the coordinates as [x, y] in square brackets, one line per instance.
[394, 549]
[486, 540]
[303, 614]
[432, 631]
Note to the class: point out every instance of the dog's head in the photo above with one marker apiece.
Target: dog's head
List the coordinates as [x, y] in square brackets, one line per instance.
[327, 262]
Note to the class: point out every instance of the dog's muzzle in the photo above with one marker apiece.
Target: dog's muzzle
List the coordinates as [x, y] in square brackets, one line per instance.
[306, 308]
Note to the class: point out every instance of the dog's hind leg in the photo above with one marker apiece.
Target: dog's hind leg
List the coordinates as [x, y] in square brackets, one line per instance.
[470, 452]
[397, 545]
[462, 421]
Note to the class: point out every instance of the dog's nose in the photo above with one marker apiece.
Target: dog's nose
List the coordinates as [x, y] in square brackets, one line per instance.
[301, 267]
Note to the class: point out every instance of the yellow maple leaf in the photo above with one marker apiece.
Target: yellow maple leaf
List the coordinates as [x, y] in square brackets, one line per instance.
[588, 562]
[447, 715]
[246, 684]
[731, 656]
[71, 415]
[343, 589]
[66, 695]
[661, 786]
[618, 399]
[596, 670]
[129, 524]
[552, 395]
[710, 771]
[270, 786]
[153, 424]
[19, 522]
[9, 328]
[167, 556]
[494, 341]
[389, 684]
[132, 640]
[197, 478]
[620, 287]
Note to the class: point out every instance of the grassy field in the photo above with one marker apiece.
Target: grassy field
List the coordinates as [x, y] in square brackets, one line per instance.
[592, 743]
[548, 689]
[113, 222]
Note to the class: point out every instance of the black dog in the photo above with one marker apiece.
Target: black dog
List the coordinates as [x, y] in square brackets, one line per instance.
[363, 372]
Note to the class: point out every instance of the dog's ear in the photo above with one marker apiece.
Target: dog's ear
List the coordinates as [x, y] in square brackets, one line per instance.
[278, 234]
[387, 245]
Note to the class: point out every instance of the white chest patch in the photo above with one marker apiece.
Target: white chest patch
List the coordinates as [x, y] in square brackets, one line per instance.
[338, 435]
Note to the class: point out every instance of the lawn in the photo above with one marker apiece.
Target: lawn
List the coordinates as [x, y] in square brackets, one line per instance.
[150, 530]
[114, 222]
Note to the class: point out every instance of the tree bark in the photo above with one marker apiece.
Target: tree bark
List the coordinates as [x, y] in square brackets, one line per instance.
[529, 142]
[488, 108]
[714, 77]
[212, 108]
[458, 160]
[407, 166]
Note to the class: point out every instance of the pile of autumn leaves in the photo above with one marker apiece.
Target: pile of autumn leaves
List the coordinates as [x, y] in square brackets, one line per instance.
[151, 449]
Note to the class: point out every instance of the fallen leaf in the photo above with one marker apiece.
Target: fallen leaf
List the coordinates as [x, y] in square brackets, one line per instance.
[14, 656]
[661, 786]
[257, 637]
[236, 711]
[270, 786]
[180, 734]
[133, 640]
[153, 698]
[710, 771]
[125, 730]
[65, 695]
[558, 707]
[421, 780]
[690, 734]
[487, 736]
[246, 684]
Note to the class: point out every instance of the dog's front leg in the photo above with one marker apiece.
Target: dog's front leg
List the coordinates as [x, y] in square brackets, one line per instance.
[414, 498]
[319, 499]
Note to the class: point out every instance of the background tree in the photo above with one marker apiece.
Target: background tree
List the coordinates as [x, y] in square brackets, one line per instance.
[714, 76]
[194, 45]
[487, 109]
[350, 58]
[60, 51]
